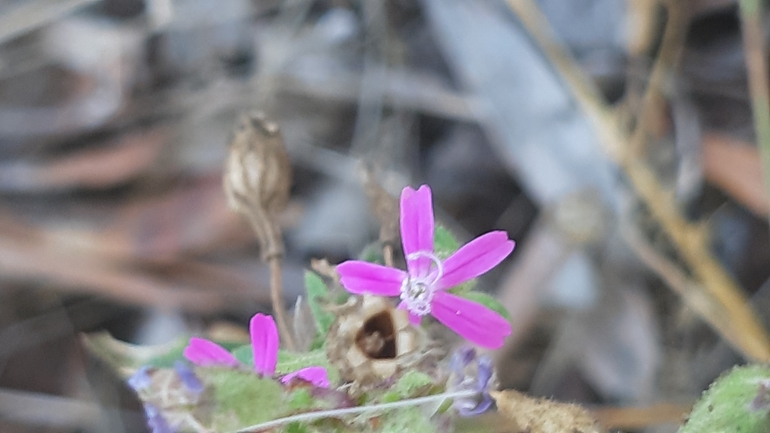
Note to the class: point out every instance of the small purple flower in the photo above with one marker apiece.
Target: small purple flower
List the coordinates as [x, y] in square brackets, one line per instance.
[264, 344]
[141, 379]
[423, 288]
[188, 378]
[467, 377]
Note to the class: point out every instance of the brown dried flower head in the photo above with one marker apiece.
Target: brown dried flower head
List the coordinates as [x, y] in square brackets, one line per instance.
[371, 341]
[257, 177]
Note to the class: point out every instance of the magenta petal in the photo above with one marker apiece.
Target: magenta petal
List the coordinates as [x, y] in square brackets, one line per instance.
[315, 375]
[417, 228]
[205, 353]
[414, 319]
[475, 258]
[363, 277]
[264, 343]
[471, 320]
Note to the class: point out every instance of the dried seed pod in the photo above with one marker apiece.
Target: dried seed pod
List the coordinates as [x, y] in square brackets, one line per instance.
[371, 341]
[257, 178]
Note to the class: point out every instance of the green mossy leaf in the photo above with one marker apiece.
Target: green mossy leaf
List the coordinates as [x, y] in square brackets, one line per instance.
[726, 405]
[413, 384]
[243, 398]
[407, 420]
[296, 427]
[300, 400]
[317, 296]
[487, 301]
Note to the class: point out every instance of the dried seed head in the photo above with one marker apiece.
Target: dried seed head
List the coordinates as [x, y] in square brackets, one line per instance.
[371, 341]
[257, 178]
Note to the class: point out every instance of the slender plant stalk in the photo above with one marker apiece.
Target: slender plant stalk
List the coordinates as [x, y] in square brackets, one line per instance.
[743, 330]
[755, 51]
[279, 306]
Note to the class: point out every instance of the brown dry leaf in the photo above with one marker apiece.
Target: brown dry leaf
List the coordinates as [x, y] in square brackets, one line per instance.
[736, 167]
[539, 415]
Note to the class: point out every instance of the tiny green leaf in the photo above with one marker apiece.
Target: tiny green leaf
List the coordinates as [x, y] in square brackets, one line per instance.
[487, 301]
[317, 295]
[244, 354]
[730, 403]
[444, 243]
[242, 398]
[372, 253]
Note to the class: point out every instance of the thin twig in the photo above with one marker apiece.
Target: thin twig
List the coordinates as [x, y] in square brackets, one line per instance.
[670, 50]
[756, 64]
[742, 329]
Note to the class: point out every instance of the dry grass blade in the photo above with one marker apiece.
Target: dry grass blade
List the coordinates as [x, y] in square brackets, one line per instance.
[755, 50]
[740, 327]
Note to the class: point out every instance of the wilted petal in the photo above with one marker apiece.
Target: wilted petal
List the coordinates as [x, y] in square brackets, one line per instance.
[414, 319]
[475, 258]
[315, 375]
[206, 353]
[264, 343]
[471, 320]
[360, 277]
[417, 228]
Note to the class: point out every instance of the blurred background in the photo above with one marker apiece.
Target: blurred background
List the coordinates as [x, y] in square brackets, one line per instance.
[613, 139]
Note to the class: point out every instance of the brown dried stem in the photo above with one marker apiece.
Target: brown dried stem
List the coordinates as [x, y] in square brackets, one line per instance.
[257, 180]
[741, 329]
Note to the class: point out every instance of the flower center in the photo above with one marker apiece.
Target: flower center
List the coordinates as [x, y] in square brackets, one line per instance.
[417, 290]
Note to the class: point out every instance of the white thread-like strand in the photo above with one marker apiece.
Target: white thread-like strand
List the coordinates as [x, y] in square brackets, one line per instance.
[310, 416]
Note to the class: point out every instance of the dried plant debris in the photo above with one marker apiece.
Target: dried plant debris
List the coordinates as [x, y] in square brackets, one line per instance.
[539, 415]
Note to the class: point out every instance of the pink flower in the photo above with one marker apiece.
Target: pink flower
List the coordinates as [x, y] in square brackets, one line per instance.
[264, 344]
[423, 288]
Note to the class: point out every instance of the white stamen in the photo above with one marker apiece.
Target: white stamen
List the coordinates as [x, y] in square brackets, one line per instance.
[416, 291]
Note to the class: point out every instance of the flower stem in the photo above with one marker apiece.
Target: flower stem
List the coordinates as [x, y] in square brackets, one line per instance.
[312, 416]
[279, 307]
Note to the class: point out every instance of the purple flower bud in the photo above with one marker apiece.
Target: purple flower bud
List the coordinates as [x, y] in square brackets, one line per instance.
[188, 377]
[141, 379]
[464, 370]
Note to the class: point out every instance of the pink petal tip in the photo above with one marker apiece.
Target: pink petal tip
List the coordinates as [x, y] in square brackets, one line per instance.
[206, 353]
[315, 375]
[471, 320]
